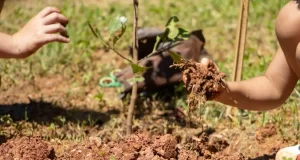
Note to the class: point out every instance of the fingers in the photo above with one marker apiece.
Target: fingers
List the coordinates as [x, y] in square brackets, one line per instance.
[205, 62]
[55, 38]
[55, 18]
[48, 10]
[54, 23]
[55, 28]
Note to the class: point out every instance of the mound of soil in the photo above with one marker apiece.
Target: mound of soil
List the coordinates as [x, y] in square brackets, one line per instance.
[26, 148]
[201, 83]
[140, 146]
[145, 147]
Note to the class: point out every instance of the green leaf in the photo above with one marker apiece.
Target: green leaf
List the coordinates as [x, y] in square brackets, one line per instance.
[172, 21]
[173, 32]
[116, 24]
[135, 79]
[97, 34]
[117, 37]
[93, 30]
[52, 126]
[156, 43]
[284, 158]
[164, 35]
[183, 34]
[137, 69]
[176, 57]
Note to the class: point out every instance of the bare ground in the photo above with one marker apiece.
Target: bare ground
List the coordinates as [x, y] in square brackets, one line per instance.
[52, 118]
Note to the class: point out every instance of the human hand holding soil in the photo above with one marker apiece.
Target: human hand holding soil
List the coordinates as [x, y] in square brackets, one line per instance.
[203, 81]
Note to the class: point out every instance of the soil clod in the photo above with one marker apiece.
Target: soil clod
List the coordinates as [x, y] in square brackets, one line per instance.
[202, 82]
[33, 148]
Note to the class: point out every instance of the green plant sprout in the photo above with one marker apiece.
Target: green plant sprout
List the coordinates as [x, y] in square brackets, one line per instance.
[284, 158]
[172, 35]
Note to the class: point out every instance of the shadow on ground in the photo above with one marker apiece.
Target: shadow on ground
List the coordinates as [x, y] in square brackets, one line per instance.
[45, 113]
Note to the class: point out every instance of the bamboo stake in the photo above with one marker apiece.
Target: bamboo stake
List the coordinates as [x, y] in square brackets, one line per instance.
[240, 43]
[240, 40]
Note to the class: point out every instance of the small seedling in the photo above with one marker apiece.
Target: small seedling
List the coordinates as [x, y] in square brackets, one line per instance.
[99, 96]
[172, 35]
[116, 29]
[60, 119]
[6, 120]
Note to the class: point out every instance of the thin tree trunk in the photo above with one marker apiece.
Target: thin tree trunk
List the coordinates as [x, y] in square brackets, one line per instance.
[135, 60]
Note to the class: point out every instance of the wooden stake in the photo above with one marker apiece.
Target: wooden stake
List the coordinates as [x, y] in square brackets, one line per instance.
[240, 43]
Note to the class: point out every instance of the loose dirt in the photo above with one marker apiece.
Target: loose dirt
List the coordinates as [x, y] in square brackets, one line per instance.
[26, 148]
[201, 83]
[265, 132]
[140, 146]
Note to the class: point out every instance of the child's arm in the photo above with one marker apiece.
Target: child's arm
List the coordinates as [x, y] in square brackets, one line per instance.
[275, 86]
[260, 93]
[264, 92]
[40, 30]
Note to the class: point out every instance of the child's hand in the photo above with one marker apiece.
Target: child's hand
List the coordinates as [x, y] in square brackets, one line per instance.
[40, 30]
[205, 63]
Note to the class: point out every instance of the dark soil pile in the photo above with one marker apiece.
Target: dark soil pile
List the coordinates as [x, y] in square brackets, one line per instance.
[201, 83]
[26, 148]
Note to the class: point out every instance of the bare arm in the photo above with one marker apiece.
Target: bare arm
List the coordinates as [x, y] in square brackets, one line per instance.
[272, 89]
[263, 92]
[40, 30]
[275, 86]
[6, 46]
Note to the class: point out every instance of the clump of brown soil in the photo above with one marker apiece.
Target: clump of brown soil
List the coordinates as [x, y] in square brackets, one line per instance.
[201, 83]
[265, 132]
[165, 146]
[33, 148]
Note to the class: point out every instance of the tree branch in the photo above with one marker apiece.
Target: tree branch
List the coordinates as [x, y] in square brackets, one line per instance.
[135, 59]
[121, 55]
